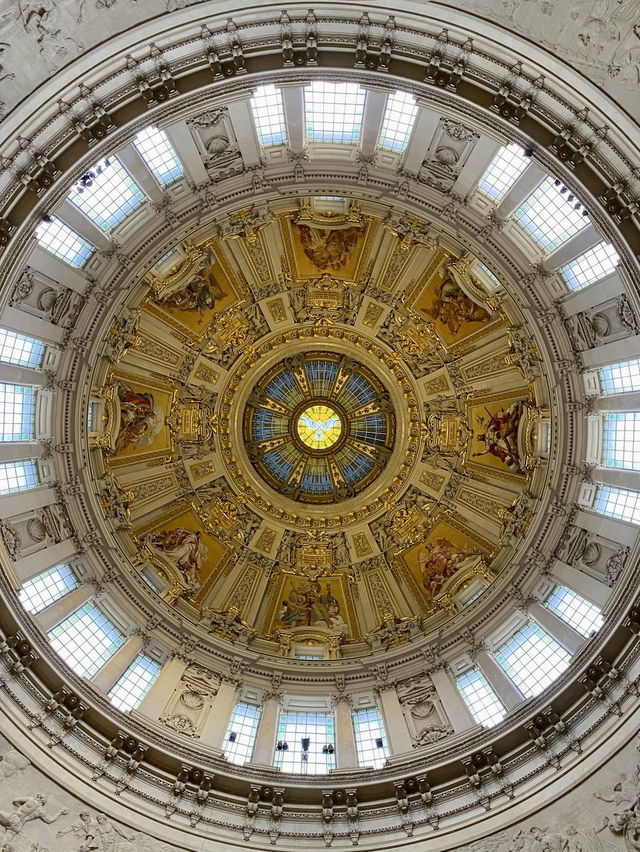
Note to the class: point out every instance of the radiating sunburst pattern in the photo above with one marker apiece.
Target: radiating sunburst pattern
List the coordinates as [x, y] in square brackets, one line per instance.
[319, 428]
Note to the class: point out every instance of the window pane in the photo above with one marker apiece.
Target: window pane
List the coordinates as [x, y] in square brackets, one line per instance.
[20, 350]
[486, 708]
[268, 114]
[53, 584]
[371, 739]
[621, 440]
[18, 476]
[590, 266]
[134, 684]
[86, 640]
[317, 730]
[552, 214]
[397, 124]
[579, 613]
[621, 377]
[241, 733]
[533, 660]
[618, 503]
[504, 170]
[333, 111]
[60, 240]
[107, 194]
[155, 149]
[17, 413]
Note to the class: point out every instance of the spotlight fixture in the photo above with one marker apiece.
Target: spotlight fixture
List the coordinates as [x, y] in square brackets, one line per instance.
[306, 742]
[232, 737]
[282, 746]
[328, 748]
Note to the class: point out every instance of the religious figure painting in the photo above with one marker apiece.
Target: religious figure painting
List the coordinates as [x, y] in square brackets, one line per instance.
[495, 428]
[187, 548]
[311, 603]
[445, 551]
[452, 312]
[321, 251]
[193, 299]
[139, 410]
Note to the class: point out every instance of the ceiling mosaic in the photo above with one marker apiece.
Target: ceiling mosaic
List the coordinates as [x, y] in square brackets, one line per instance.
[320, 424]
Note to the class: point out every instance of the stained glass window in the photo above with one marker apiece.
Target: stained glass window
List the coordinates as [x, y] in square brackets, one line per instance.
[155, 149]
[240, 739]
[590, 266]
[17, 413]
[134, 684]
[621, 440]
[504, 170]
[62, 241]
[18, 476]
[532, 659]
[579, 613]
[20, 350]
[621, 377]
[310, 740]
[618, 503]
[485, 706]
[371, 739]
[86, 640]
[107, 193]
[333, 111]
[552, 214]
[397, 124]
[268, 114]
[40, 591]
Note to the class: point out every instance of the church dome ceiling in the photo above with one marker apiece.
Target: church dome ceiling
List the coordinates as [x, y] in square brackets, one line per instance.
[318, 408]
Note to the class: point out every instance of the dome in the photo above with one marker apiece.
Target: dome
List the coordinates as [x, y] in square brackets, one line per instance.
[318, 469]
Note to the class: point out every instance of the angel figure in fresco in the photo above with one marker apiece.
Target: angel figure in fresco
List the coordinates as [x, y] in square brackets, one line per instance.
[440, 560]
[184, 548]
[328, 249]
[452, 307]
[200, 293]
[500, 436]
[141, 418]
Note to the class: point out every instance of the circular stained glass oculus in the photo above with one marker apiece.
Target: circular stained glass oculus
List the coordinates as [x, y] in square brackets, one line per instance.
[319, 428]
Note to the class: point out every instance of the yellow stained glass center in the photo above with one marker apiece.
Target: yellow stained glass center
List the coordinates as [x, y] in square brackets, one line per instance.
[319, 427]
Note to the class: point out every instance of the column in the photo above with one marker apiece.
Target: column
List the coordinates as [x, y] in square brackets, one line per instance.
[424, 127]
[346, 755]
[139, 171]
[293, 106]
[395, 726]
[82, 224]
[217, 721]
[483, 153]
[118, 663]
[576, 245]
[185, 147]
[374, 107]
[499, 680]
[244, 128]
[457, 711]
[161, 689]
[59, 610]
[39, 561]
[266, 738]
[556, 627]
[528, 181]
[588, 587]
[611, 353]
